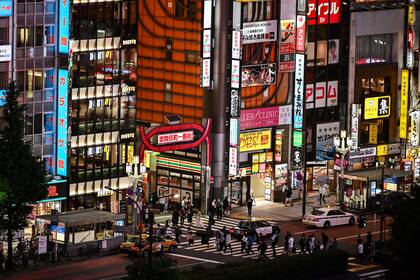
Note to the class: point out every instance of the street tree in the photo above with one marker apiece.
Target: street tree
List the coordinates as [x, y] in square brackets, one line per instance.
[405, 237]
[22, 177]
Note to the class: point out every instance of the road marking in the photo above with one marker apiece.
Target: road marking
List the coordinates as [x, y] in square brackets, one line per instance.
[363, 234]
[185, 265]
[194, 258]
[114, 277]
[306, 231]
[362, 267]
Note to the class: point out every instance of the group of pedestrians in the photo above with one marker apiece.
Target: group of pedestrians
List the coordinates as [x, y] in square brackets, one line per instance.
[182, 212]
[365, 250]
[223, 240]
[219, 209]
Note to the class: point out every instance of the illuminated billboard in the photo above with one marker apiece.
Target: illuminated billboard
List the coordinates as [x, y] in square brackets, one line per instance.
[62, 114]
[63, 31]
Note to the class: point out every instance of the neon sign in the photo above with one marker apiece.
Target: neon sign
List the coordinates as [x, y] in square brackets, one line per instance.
[62, 114]
[63, 31]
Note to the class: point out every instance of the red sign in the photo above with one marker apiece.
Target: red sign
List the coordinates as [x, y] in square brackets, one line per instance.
[326, 8]
[52, 191]
[300, 33]
[410, 37]
[176, 137]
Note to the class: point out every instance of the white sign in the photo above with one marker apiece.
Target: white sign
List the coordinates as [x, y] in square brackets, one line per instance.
[285, 114]
[234, 132]
[206, 43]
[415, 128]
[354, 133]
[236, 44]
[325, 133]
[362, 153]
[298, 99]
[309, 97]
[234, 78]
[175, 137]
[260, 31]
[320, 94]
[233, 161]
[207, 14]
[104, 192]
[332, 93]
[6, 53]
[42, 244]
[205, 76]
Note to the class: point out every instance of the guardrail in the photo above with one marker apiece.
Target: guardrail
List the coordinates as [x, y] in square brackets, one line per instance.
[381, 274]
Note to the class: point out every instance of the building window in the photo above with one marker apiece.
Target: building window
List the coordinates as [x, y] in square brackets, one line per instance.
[192, 10]
[179, 8]
[374, 49]
[168, 49]
[192, 57]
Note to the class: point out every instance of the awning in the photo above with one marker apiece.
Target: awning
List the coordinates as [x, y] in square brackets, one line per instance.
[85, 217]
[375, 174]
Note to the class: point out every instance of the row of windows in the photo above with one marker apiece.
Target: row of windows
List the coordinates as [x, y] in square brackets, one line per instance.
[38, 8]
[35, 36]
[31, 80]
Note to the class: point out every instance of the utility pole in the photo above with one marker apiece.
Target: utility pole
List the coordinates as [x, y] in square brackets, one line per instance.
[381, 238]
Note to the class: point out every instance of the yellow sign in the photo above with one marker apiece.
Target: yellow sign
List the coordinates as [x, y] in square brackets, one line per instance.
[382, 150]
[373, 134]
[377, 107]
[411, 15]
[130, 154]
[258, 140]
[404, 103]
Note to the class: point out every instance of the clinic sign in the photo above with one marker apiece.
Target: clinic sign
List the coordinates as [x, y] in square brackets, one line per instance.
[63, 30]
[62, 114]
[377, 107]
[6, 8]
[266, 117]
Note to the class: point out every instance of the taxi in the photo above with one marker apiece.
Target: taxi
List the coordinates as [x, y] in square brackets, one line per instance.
[254, 228]
[328, 217]
[168, 245]
[132, 240]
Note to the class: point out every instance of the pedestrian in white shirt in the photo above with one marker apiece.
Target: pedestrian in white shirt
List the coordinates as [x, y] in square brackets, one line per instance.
[291, 243]
[228, 243]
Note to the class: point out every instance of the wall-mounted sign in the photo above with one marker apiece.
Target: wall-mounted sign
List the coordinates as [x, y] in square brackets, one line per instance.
[381, 150]
[300, 33]
[404, 103]
[233, 161]
[5, 52]
[206, 43]
[362, 153]
[175, 137]
[325, 133]
[258, 75]
[287, 36]
[298, 99]
[377, 107]
[373, 134]
[234, 103]
[234, 132]
[322, 94]
[394, 148]
[234, 78]
[415, 117]
[410, 59]
[297, 159]
[410, 37]
[6, 8]
[236, 44]
[297, 138]
[2, 97]
[354, 133]
[257, 140]
[205, 75]
[260, 31]
[104, 192]
[328, 11]
[207, 14]
[63, 28]
[266, 117]
[62, 114]
[411, 15]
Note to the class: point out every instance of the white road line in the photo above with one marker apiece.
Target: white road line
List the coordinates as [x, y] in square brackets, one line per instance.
[194, 258]
[114, 277]
[364, 234]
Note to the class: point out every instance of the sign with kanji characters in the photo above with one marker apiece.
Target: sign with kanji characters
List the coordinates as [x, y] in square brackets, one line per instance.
[415, 117]
[62, 114]
[260, 31]
[175, 137]
[205, 74]
[325, 133]
[206, 43]
[377, 107]
[328, 11]
[404, 103]
[63, 28]
[298, 98]
[300, 33]
[257, 140]
[373, 134]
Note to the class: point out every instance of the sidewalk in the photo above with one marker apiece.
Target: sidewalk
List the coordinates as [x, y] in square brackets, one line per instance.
[277, 212]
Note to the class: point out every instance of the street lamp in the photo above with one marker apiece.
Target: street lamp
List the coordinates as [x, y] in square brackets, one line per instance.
[342, 146]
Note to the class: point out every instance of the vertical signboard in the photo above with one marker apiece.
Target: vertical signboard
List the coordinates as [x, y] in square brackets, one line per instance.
[354, 134]
[404, 103]
[63, 30]
[300, 33]
[415, 116]
[298, 98]
[62, 114]
[206, 47]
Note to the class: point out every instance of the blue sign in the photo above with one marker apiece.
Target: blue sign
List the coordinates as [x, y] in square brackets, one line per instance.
[6, 8]
[63, 30]
[62, 114]
[2, 97]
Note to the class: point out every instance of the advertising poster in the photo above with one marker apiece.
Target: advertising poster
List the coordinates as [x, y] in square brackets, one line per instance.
[257, 140]
[259, 32]
[287, 36]
[354, 134]
[325, 140]
[62, 114]
[258, 75]
[377, 107]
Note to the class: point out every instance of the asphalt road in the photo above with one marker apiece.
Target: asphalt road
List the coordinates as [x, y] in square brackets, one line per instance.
[113, 266]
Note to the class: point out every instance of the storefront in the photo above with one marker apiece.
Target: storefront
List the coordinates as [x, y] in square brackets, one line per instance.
[178, 178]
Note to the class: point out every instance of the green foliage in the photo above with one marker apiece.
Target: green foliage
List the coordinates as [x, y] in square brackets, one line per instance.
[405, 237]
[22, 177]
[164, 268]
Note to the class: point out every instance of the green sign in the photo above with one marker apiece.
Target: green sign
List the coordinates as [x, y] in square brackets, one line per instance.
[297, 138]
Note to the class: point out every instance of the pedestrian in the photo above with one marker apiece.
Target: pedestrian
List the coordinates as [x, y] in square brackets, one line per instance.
[369, 239]
[317, 246]
[175, 217]
[1, 262]
[288, 196]
[198, 221]
[225, 206]
[250, 242]
[243, 243]
[262, 247]
[333, 245]
[310, 243]
[190, 215]
[159, 250]
[359, 239]
[325, 240]
[302, 244]
[182, 215]
[259, 238]
[291, 244]
[286, 242]
[219, 209]
[228, 243]
[360, 252]
[274, 241]
[322, 191]
[205, 238]
[162, 202]
[249, 205]
[211, 214]
[217, 241]
[165, 206]
[222, 242]
[184, 202]
[178, 233]
[168, 233]
[190, 237]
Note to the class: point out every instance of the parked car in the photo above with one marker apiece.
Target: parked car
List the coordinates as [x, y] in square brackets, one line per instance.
[132, 241]
[328, 217]
[391, 199]
[168, 245]
[254, 228]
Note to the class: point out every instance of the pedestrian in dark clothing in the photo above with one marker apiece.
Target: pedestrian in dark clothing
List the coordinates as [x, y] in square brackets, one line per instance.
[225, 205]
[369, 238]
[190, 215]
[259, 238]
[250, 242]
[222, 242]
[249, 205]
[178, 233]
[243, 243]
[211, 215]
[286, 242]
[325, 240]
[262, 247]
[182, 215]
[175, 217]
[219, 209]
[190, 237]
[302, 244]
[274, 241]
[333, 245]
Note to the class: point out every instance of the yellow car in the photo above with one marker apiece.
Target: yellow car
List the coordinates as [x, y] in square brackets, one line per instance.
[168, 245]
[132, 241]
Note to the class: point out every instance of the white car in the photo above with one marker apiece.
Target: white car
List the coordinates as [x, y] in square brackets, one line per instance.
[328, 217]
